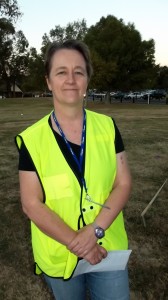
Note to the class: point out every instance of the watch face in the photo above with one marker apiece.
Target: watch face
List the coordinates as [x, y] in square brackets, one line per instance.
[99, 232]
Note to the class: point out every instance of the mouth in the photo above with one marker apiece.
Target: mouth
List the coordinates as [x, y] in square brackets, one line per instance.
[70, 90]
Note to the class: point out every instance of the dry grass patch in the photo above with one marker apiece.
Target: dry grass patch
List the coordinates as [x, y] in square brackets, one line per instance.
[144, 130]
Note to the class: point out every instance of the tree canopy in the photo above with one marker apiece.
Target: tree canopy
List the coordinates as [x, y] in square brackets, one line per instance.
[127, 61]
[121, 59]
[13, 45]
[9, 9]
[75, 30]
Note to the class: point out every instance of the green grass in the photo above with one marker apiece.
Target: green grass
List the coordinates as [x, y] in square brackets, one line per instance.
[145, 133]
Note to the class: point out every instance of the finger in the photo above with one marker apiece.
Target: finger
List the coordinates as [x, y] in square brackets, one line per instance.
[85, 252]
[98, 260]
[81, 252]
[73, 245]
[103, 252]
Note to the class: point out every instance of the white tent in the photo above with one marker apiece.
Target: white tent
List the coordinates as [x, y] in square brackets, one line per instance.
[16, 89]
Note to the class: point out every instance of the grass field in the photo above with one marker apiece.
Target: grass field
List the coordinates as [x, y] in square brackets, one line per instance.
[145, 133]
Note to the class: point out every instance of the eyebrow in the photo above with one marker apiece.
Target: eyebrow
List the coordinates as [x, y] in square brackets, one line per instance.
[76, 67]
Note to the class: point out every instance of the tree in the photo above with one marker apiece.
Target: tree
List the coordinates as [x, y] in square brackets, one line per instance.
[35, 77]
[6, 32]
[13, 45]
[75, 30]
[8, 14]
[18, 60]
[127, 61]
[103, 72]
[162, 78]
[9, 9]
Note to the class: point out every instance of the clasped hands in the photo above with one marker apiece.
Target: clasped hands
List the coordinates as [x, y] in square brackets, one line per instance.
[85, 245]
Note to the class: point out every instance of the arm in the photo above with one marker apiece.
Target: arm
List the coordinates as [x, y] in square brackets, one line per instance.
[119, 195]
[47, 220]
[37, 211]
[116, 201]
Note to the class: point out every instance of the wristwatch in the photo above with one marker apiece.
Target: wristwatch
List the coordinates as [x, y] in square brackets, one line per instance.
[99, 232]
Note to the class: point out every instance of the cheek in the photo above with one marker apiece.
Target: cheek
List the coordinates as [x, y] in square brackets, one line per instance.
[84, 85]
[52, 84]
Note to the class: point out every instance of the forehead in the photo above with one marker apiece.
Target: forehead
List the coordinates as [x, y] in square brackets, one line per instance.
[65, 57]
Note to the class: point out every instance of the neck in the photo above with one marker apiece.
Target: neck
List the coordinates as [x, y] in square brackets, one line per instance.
[71, 123]
[68, 114]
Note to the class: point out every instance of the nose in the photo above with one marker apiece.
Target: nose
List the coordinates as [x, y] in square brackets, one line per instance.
[70, 77]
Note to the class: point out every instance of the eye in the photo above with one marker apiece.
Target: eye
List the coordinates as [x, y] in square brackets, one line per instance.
[61, 73]
[79, 73]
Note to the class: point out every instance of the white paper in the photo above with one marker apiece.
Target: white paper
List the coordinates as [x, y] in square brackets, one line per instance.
[115, 261]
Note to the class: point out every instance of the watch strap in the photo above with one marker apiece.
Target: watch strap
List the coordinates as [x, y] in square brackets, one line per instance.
[94, 225]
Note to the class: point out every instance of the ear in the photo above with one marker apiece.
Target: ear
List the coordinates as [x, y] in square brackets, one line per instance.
[48, 83]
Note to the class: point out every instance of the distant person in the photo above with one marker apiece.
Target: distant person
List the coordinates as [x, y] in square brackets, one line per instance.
[74, 183]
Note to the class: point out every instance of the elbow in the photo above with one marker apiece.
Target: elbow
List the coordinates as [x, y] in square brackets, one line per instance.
[29, 210]
[128, 185]
[25, 210]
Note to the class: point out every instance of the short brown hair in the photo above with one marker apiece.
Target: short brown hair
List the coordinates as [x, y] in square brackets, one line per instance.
[77, 45]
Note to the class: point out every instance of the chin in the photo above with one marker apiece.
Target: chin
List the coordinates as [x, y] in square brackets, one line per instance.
[73, 100]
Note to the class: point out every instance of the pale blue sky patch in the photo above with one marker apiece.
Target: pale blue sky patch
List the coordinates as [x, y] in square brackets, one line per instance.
[150, 18]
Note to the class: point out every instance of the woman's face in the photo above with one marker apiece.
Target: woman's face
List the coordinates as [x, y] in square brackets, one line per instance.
[68, 78]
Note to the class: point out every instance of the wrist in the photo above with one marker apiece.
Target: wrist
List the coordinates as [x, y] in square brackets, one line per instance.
[70, 239]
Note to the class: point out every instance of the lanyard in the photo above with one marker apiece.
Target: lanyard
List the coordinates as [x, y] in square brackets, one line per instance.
[79, 161]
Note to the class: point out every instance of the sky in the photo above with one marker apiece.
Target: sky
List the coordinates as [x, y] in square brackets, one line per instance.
[150, 18]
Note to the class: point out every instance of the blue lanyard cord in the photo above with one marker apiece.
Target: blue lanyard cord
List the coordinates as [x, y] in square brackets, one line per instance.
[80, 161]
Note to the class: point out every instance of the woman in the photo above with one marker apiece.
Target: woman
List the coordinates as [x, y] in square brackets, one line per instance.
[73, 183]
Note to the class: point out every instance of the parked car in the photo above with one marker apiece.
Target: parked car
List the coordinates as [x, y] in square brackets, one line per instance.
[134, 95]
[155, 94]
[98, 95]
[112, 93]
[118, 95]
[47, 94]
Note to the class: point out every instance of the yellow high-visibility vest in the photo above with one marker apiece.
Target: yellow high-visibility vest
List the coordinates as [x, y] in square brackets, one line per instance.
[63, 193]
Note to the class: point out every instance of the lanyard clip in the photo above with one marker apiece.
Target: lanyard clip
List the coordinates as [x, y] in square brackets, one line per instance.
[88, 198]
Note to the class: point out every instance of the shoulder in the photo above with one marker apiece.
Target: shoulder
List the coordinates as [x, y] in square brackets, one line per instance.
[99, 119]
[33, 131]
[40, 124]
[98, 116]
